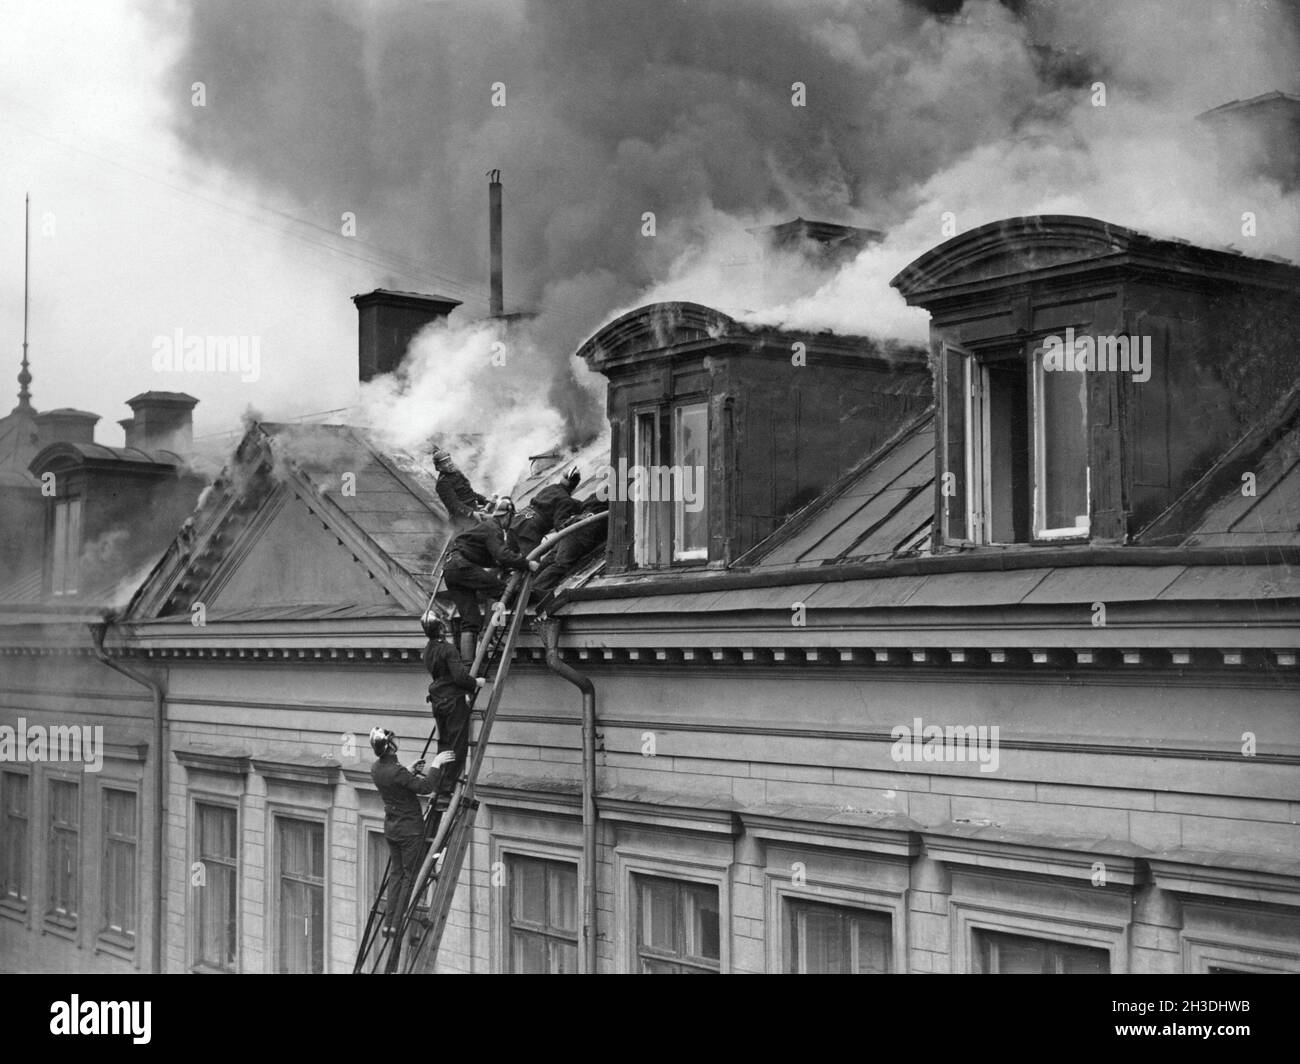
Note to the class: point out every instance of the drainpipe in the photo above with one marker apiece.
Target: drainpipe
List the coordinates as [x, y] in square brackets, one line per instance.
[551, 636]
[160, 727]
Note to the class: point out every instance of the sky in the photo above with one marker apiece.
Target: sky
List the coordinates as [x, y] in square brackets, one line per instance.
[242, 169]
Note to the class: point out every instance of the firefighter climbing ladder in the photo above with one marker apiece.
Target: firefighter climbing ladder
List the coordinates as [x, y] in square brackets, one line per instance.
[449, 830]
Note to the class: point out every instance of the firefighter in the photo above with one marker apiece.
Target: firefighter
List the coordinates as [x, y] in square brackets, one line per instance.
[464, 504]
[473, 567]
[571, 550]
[551, 507]
[450, 681]
[403, 822]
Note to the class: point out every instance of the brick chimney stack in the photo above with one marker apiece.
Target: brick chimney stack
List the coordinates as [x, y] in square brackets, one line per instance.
[387, 323]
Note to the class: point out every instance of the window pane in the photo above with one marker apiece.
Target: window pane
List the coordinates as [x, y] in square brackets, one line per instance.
[564, 897]
[825, 946]
[1003, 954]
[1061, 464]
[658, 914]
[529, 954]
[65, 863]
[377, 859]
[702, 923]
[690, 456]
[59, 549]
[217, 913]
[872, 933]
[528, 890]
[543, 916]
[119, 861]
[13, 846]
[646, 514]
[834, 940]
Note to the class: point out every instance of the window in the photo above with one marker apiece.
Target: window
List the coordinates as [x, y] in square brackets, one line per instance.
[830, 940]
[65, 864]
[119, 885]
[377, 862]
[65, 554]
[1016, 448]
[14, 838]
[301, 895]
[1061, 475]
[1002, 954]
[216, 849]
[647, 514]
[669, 485]
[543, 907]
[690, 457]
[678, 928]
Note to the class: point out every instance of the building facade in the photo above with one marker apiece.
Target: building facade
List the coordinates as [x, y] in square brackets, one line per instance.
[905, 693]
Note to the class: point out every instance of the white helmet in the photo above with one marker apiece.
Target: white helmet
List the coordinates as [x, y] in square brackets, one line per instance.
[380, 740]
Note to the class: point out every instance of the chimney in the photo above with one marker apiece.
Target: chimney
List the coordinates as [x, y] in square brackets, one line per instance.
[496, 293]
[1259, 137]
[66, 425]
[820, 245]
[388, 321]
[161, 421]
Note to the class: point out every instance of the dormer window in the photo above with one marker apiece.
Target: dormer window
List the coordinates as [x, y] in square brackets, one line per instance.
[1023, 429]
[65, 548]
[668, 484]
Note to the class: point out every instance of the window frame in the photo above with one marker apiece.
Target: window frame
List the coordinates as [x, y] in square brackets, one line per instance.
[658, 526]
[681, 553]
[65, 564]
[872, 885]
[17, 905]
[275, 885]
[119, 936]
[982, 938]
[546, 931]
[792, 942]
[1037, 474]
[56, 920]
[1101, 929]
[975, 418]
[693, 868]
[679, 955]
[197, 964]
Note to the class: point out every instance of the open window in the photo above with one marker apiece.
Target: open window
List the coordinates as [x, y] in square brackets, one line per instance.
[1015, 448]
[667, 484]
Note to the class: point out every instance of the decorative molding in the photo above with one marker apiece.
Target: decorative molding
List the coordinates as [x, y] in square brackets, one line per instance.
[1211, 876]
[319, 771]
[667, 809]
[884, 835]
[216, 760]
[998, 852]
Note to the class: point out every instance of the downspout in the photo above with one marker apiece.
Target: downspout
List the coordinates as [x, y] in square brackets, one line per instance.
[551, 636]
[160, 727]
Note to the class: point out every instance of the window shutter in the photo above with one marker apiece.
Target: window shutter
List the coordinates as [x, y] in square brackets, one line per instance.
[951, 444]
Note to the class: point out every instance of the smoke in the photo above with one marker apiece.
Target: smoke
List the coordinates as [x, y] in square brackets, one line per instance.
[917, 118]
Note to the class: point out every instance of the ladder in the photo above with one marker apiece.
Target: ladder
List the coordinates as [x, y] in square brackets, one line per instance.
[449, 831]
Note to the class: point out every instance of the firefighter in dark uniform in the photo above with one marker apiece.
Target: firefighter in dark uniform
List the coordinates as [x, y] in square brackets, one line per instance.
[570, 550]
[473, 567]
[551, 507]
[450, 682]
[462, 501]
[403, 822]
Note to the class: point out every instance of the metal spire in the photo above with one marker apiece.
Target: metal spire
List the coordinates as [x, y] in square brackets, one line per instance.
[24, 376]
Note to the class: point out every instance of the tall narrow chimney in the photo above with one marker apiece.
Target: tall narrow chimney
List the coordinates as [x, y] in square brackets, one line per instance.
[496, 296]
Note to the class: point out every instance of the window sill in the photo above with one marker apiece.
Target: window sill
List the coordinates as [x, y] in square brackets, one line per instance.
[60, 926]
[207, 969]
[116, 944]
[14, 910]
